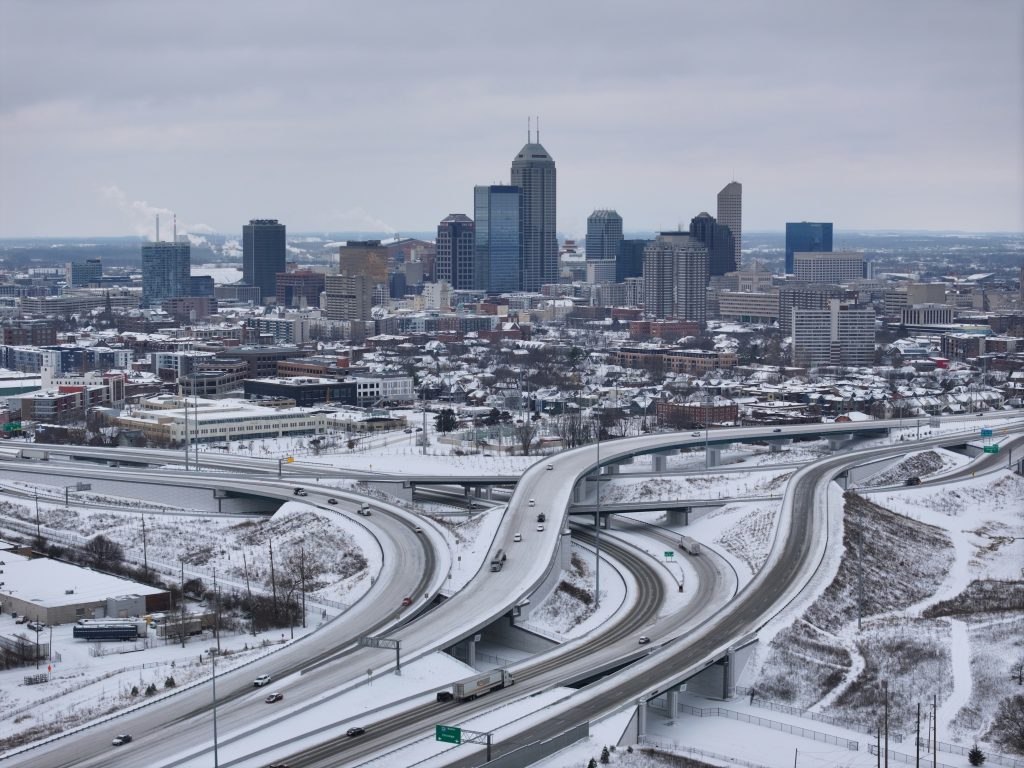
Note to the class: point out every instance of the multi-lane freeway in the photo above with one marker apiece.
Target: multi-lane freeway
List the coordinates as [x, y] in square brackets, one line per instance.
[803, 537]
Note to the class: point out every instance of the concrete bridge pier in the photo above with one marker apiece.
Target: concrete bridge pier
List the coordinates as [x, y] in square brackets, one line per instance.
[838, 442]
[659, 459]
[713, 455]
[672, 703]
[641, 720]
[678, 516]
[776, 446]
[565, 550]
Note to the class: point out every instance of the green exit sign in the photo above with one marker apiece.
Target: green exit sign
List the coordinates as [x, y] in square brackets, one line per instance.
[12, 426]
[670, 554]
[448, 733]
[991, 448]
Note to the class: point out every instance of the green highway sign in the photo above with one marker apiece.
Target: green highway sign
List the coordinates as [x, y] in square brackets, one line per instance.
[448, 733]
[670, 554]
[991, 448]
[986, 432]
[12, 426]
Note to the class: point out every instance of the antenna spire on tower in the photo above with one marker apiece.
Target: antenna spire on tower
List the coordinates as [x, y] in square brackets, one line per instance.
[538, 129]
[175, 231]
[158, 227]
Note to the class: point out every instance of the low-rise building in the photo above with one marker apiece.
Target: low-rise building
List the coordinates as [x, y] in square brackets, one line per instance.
[55, 592]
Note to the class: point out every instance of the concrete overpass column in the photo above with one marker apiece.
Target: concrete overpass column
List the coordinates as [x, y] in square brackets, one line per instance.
[672, 700]
[565, 554]
[838, 442]
[471, 650]
[660, 463]
[611, 469]
[641, 720]
[579, 492]
[714, 455]
[728, 683]
[679, 516]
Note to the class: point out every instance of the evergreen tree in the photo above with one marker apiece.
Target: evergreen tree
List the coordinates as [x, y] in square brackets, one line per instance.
[605, 758]
[975, 756]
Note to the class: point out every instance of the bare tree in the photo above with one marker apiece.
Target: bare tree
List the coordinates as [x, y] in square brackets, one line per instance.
[303, 571]
[101, 552]
[525, 432]
[1008, 726]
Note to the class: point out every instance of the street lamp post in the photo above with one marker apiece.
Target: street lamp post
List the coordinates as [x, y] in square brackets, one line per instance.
[213, 659]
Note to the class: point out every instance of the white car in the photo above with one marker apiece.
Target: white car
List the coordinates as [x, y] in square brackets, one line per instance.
[540, 527]
[533, 503]
[260, 681]
[517, 537]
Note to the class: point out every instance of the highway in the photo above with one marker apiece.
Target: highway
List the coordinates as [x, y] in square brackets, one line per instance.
[493, 594]
[803, 540]
[418, 572]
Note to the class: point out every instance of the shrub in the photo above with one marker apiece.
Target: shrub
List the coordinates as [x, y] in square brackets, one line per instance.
[169, 682]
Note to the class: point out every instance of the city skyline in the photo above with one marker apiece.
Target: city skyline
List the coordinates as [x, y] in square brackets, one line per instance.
[224, 116]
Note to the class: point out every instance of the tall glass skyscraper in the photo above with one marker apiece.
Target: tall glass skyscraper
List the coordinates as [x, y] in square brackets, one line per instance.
[730, 214]
[456, 248]
[533, 172]
[166, 269]
[629, 259]
[496, 211]
[719, 241]
[604, 233]
[263, 254]
[807, 237]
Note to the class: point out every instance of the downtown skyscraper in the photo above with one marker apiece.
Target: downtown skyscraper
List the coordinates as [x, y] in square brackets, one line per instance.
[533, 172]
[730, 213]
[807, 237]
[166, 271]
[263, 255]
[496, 209]
[455, 261]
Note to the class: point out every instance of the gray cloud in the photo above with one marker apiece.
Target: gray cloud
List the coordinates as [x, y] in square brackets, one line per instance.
[874, 115]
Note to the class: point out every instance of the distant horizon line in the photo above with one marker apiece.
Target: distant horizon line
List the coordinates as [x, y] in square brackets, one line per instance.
[383, 235]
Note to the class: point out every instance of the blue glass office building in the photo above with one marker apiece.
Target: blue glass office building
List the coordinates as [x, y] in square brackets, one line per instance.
[807, 237]
[496, 211]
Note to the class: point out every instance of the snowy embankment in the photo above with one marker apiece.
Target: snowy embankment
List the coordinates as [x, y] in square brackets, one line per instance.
[935, 575]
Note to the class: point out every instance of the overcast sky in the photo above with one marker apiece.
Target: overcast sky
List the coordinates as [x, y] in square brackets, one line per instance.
[383, 115]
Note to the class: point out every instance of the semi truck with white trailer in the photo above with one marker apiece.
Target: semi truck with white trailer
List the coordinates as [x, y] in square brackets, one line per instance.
[478, 685]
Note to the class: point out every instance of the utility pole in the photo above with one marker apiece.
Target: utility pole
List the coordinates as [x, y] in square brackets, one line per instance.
[35, 493]
[935, 730]
[216, 615]
[597, 524]
[145, 556]
[273, 579]
[187, 446]
[917, 739]
[885, 690]
[182, 628]
[248, 589]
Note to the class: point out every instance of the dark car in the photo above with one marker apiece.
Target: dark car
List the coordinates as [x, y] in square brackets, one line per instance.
[274, 697]
[332, 501]
[541, 518]
[445, 696]
[913, 481]
[356, 731]
[777, 429]
[121, 738]
[406, 601]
